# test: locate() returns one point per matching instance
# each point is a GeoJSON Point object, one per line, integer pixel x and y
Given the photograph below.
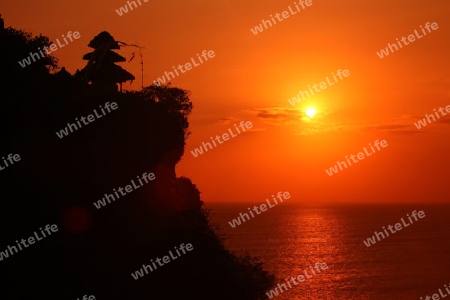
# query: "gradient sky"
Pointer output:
{"type": "Point", "coordinates": [253, 76]}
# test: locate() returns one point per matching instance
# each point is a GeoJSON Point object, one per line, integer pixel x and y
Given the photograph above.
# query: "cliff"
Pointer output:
{"type": "Point", "coordinates": [59, 177]}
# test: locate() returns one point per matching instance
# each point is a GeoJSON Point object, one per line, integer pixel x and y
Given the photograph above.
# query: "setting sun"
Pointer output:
{"type": "Point", "coordinates": [344, 186]}
{"type": "Point", "coordinates": [311, 112]}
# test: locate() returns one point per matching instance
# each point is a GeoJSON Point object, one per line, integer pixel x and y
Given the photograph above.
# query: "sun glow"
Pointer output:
{"type": "Point", "coordinates": [310, 112]}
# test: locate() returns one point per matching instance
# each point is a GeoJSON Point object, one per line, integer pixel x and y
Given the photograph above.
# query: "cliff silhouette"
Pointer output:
{"type": "Point", "coordinates": [57, 180]}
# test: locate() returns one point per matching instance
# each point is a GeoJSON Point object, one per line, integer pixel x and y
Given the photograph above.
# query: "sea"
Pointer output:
{"type": "Point", "coordinates": [288, 238]}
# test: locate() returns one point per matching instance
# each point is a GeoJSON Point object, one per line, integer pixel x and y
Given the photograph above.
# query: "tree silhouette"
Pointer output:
{"type": "Point", "coordinates": [101, 69]}
{"type": "Point", "coordinates": [57, 181]}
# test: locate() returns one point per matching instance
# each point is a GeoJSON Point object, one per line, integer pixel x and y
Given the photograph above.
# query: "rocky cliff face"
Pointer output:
{"type": "Point", "coordinates": [59, 178]}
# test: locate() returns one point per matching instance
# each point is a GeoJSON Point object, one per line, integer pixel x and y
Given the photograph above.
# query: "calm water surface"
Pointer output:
{"type": "Point", "coordinates": [409, 264]}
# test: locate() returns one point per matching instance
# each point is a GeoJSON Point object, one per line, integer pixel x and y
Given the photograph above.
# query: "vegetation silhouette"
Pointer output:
{"type": "Point", "coordinates": [57, 180]}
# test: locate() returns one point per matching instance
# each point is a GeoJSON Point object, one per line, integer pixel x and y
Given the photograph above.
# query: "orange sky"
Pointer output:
{"type": "Point", "coordinates": [252, 77]}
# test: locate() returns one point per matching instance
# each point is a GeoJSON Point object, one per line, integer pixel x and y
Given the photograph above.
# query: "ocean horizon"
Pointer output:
{"type": "Point", "coordinates": [289, 238]}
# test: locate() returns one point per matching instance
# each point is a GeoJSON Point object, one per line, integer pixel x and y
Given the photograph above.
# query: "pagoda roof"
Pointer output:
{"type": "Point", "coordinates": [111, 56]}
{"type": "Point", "coordinates": [110, 73]}
{"type": "Point", "coordinates": [103, 38]}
